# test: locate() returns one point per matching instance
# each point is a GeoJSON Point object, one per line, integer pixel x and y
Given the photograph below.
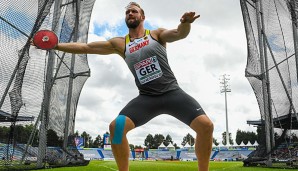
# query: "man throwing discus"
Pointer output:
{"type": "Point", "coordinates": [144, 52]}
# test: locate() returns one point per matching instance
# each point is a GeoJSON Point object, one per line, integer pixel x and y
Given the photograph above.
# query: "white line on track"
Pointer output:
{"type": "Point", "coordinates": [109, 168]}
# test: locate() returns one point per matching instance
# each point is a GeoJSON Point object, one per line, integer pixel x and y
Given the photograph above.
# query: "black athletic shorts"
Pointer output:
{"type": "Point", "coordinates": [176, 103]}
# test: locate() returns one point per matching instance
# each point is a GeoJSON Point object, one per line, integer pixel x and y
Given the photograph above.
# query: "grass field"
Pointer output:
{"type": "Point", "coordinates": [165, 166]}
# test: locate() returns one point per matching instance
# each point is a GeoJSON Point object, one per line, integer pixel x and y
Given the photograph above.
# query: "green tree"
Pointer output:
{"type": "Point", "coordinates": [138, 147]}
{"type": "Point", "coordinates": [157, 140]}
{"type": "Point", "coordinates": [132, 147]}
{"type": "Point", "coordinates": [176, 146]}
{"type": "Point", "coordinates": [4, 132]}
{"type": "Point", "coordinates": [20, 135]}
{"type": "Point", "coordinates": [245, 137]}
{"type": "Point", "coordinates": [27, 129]}
{"type": "Point", "coordinates": [252, 137]}
{"type": "Point", "coordinates": [87, 139]}
{"type": "Point", "coordinates": [188, 139]}
{"type": "Point", "coordinates": [149, 141]}
{"type": "Point", "coordinates": [239, 137]}
{"type": "Point", "coordinates": [53, 139]}
{"type": "Point", "coordinates": [224, 139]}
{"type": "Point", "coordinates": [98, 142]}
{"type": "Point", "coordinates": [168, 140]}
{"type": "Point", "coordinates": [77, 134]}
{"type": "Point", "coordinates": [215, 142]}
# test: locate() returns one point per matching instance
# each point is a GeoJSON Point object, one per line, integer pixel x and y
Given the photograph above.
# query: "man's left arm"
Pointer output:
{"type": "Point", "coordinates": [181, 31]}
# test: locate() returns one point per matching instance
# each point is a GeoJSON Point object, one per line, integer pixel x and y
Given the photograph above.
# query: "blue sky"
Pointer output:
{"type": "Point", "coordinates": [118, 30]}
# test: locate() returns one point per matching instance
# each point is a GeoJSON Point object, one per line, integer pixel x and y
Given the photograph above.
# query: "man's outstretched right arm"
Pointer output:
{"type": "Point", "coordinates": [99, 47]}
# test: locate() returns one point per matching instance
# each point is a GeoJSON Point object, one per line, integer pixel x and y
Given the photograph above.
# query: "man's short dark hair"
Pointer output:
{"type": "Point", "coordinates": [136, 4]}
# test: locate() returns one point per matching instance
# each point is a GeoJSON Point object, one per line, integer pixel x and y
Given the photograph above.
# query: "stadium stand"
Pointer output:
{"type": "Point", "coordinates": [285, 152]}
{"type": "Point", "coordinates": [187, 156]}
{"type": "Point", "coordinates": [229, 154]}
{"type": "Point", "coordinates": [16, 153]}
{"type": "Point", "coordinates": [92, 154]}
{"type": "Point", "coordinates": [108, 155]}
{"type": "Point", "coordinates": [162, 154]}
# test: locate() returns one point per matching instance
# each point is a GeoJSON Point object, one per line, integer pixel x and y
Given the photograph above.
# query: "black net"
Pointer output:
{"type": "Point", "coordinates": [39, 90]}
{"type": "Point", "coordinates": [272, 72]}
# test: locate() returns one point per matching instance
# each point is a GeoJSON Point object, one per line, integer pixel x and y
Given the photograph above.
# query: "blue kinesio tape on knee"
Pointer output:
{"type": "Point", "coordinates": [119, 129]}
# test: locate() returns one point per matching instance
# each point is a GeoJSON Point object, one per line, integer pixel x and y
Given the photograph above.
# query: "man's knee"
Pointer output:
{"type": "Point", "coordinates": [112, 128]}
{"type": "Point", "coordinates": [119, 128]}
{"type": "Point", "coordinates": [209, 126]}
{"type": "Point", "coordinates": [202, 124]}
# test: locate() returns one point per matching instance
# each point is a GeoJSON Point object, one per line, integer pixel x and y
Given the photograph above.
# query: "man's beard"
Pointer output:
{"type": "Point", "coordinates": [133, 24]}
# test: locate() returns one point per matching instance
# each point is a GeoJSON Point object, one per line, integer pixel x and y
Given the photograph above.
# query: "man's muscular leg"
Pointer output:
{"type": "Point", "coordinates": [203, 126]}
{"type": "Point", "coordinates": [121, 149]}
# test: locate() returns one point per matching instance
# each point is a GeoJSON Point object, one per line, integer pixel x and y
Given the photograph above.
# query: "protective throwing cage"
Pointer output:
{"type": "Point", "coordinates": [39, 90]}
{"type": "Point", "coordinates": [272, 62]}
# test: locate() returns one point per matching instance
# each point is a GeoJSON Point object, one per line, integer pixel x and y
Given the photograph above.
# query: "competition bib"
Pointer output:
{"type": "Point", "coordinates": [148, 70]}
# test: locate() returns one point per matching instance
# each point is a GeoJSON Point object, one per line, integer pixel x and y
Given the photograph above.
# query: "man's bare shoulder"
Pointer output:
{"type": "Point", "coordinates": [116, 39]}
{"type": "Point", "coordinates": [156, 34]}
{"type": "Point", "coordinates": [119, 44]}
{"type": "Point", "coordinates": [157, 31]}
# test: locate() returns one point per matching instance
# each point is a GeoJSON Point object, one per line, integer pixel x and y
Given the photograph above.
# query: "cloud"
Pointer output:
{"type": "Point", "coordinates": [221, 14]}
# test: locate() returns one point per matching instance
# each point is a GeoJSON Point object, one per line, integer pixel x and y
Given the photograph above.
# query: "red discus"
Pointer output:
{"type": "Point", "coordinates": [45, 39]}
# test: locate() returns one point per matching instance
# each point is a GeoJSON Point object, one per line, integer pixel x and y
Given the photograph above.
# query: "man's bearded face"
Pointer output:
{"type": "Point", "coordinates": [133, 17]}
